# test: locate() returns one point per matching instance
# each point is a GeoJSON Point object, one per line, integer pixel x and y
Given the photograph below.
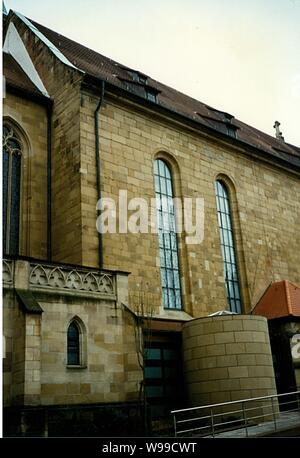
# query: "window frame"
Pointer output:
{"type": "Point", "coordinates": [228, 247]}
{"type": "Point", "coordinates": [82, 344]}
{"type": "Point", "coordinates": [151, 95]}
{"type": "Point", "coordinates": [164, 192]}
{"type": "Point", "coordinates": [20, 153]}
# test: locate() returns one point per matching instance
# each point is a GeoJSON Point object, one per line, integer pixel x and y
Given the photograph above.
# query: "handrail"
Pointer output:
{"type": "Point", "coordinates": [234, 402]}
{"type": "Point", "coordinates": [248, 414]}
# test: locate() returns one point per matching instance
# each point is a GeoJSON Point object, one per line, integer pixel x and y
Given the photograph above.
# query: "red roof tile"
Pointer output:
{"type": "Point", "coordinates": [281, 299]}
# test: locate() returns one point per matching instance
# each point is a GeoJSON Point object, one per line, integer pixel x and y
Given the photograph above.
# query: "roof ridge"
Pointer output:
{"type": "Point", "coordinates": [35, 23]}
{"type": "Point", "coordinates": [288, 296]}
{"type": "Point", "coordinates": [280, 145]}
{"type": "Point", "coordinates": [123, 66]}
{"type": "Point", "coordinates": [294, 284]}
{"type": "Point", "coordinates": [263, 294]}
{"type": "Point", "coordinates": [30, 24]}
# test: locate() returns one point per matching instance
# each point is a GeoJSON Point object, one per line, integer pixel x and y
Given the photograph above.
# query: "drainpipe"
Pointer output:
{"type": "Point", "coordinates": [49, 184]}
{"type": "Point", "coordinates": [98, 171]}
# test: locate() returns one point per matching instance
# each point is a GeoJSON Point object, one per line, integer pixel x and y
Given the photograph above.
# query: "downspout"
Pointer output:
{"type": "Point", "coordinates": [98, 171]}
{"type": "Point", "coordinates": [49, 183]}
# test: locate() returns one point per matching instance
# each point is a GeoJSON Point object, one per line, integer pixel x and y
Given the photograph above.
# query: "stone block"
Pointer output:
{"type": "Point", "coordinates": [238, 372]}
{"type": "Point", "coordinates": [224, 337]}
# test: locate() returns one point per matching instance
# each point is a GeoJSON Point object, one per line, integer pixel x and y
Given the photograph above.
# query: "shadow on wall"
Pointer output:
{"type": "Point", "coordinates": [113, 420]}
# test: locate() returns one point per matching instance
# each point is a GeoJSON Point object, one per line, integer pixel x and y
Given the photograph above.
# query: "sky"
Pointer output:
{"type": "Point", "coordinates": [239, 56]}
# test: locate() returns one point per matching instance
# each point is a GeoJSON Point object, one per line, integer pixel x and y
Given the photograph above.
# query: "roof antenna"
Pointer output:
{"type": "Point", "coordinates": [4, 8]}
{"type": "Point", "coordinates": [278, 134]}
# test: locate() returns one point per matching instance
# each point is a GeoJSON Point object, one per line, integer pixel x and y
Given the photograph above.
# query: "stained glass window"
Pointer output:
{"type": "Point", "coordinates": [12, 153]}
{"type": "Point", "coordinates": [228, 248]}
{"type": "Point", "coordinates": [168, 246]}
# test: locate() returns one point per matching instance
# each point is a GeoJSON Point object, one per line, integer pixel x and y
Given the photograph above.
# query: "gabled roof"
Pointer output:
{"type": "Point", "coordinates": [281, 299]}
{"type": "Point", "coordinates": [98, 66]}
{"type": "Point", "coordinates": [16, 77]}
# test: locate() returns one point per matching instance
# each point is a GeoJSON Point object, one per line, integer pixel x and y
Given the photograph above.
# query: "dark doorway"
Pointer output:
{"type": "Point", "coordinates": [163, 373]}
{"type": "Point", "coordinates": [283, 364]}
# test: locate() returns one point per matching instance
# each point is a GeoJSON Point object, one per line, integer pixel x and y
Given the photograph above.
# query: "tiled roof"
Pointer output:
{"type": "Point", "coordinates": [16, 77]}
{"type": "Point", "coordinates": [99, 66]}
{"type": "Point", "coordinates": [281, 299]}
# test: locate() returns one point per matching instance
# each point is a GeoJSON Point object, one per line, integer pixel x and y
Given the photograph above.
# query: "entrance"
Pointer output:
{"type": "Point", "coordinates": [163, 373]}
{"type": "Point", "coordinates": [283, 366]}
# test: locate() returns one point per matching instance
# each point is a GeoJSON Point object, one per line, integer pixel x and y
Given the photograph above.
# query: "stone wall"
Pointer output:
{"type": "Point", "coordinates": [31, 121]}
{"type": "Point", "coordinates": [264, 200]}
{"type": "Point", "coordinates": [63, 86]}
{"type": "Point", "coordinates": [36, 368]}
{"type": "Point", "coordinates": [227, 358]}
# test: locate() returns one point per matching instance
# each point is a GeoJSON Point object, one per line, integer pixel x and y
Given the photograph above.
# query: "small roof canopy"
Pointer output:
{"type": "Point", "coordinates": [223, 312]}
{"type": "Point", "coordinates": [281, 299]}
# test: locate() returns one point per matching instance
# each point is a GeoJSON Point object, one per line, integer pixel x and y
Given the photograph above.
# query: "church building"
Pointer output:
{"type": "Point", "coordinates": [103, 328]}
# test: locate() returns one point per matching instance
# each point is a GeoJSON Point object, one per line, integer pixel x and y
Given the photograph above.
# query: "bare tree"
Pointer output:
{"type": "Point", "coordinates": [142, 308]}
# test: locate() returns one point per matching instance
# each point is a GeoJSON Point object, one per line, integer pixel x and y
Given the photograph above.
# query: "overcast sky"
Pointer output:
{"type": "Point", "coordinates": [240, 56]}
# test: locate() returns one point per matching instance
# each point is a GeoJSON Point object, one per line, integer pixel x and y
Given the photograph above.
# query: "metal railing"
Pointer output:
{"type": "Point", "coordinates": [210, 420]}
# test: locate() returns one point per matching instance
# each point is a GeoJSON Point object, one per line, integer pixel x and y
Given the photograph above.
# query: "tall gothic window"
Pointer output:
{"type": "Point", "coordinates": [228, 247]}
{"type": "Point", "coordinates": [12, 154]}
{"type": "Point", "coordinates": [168, 246]}
{"type": "Point", "coordinates": [73, 344]}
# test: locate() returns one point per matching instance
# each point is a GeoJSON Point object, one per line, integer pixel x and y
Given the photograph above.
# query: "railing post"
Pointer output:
{"type": "Point", "coordinates": [46, 428]}
{"type": "Point", "coordinates": [212, 422]}
{"type": "Point", "coordinates": [274, 416]}
{"type": "Point", "coordinates": [209, 409]}
{"type": "Point", "coordinates": [175, 426]}
{"type": "Point", "coordinates": [245, 418]}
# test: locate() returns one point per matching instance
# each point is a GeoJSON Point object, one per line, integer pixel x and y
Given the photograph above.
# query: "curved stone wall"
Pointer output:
{"type": "Point", "coordinates": [227, 358]}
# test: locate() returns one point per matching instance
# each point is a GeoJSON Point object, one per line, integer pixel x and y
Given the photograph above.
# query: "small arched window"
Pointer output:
{"type": "Point", "coordinates": [228, 247]}
{"type": "Point", "coordinates": [73, 344]}
{"type": "Point", "coordinates": [12, 154]}
{"type": "Point", "coordinates": [168, 246]}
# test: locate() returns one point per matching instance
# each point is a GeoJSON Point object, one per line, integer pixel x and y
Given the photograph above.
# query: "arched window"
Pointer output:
{"type": "Point", "coordinates": [228, 247]}
{"type": "Point", "coordinates": [73, 344]}
{"type": "Point", "coordinates": [168, 246]}
{"type": "Point", "coordinates": [12, 154]}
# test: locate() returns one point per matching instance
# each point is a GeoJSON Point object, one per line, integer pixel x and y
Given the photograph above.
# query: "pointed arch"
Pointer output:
{"type": "Point", "coordinates": [12, 157]}
{"type": "Point", "coordinates": [76, 343]}
{"type": "Point", "coordinates": [73, 344]}
{"type": "Point", "coordinates": [16, 174]}
{"type": "Point", "coordinates": [21, 132]}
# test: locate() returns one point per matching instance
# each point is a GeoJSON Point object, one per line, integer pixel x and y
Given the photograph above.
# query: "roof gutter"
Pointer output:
{"type": "Point", "coordinates": [28, 95]}
{"type": "Point", "coordinates": [98, 166]}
